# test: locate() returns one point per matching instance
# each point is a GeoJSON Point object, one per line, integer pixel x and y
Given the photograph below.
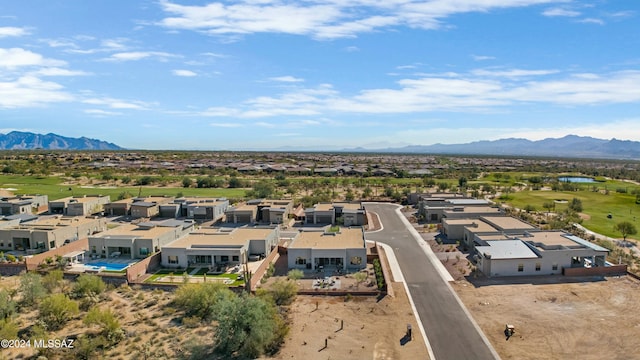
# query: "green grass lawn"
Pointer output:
{"type": "Point", "coordinates": [200, 274]}
{"type": "Point", "coordinates": [597, 205]}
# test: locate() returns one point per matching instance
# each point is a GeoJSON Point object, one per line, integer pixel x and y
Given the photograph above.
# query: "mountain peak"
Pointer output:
{"type": "Point", "coordinates": [20, 140]}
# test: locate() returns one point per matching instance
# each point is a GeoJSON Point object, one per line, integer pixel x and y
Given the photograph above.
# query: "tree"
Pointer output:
{"type": "Point", "coordinates": [575, 205]}
{"type": "Point", "coordinates": [295, 274]}
{"type": "Point", "coordinates": [625, 228]}
{"type": "Point", "coordinates": [52, 280]}
{"type": "Point", "coordinates": [31, 289]}
{"type": "Point", "coordinates": [7, 306]}
{"type": "Point", "coordinates": [360, 276]}
{"type": "Point", "coordinates": [111, 329]}
{"type": "Point", "coordinates": [462, 182]}
{"type": "Point", "coordinates": [262, 189]}
{"type": "Point", "coordinates": [281, 292]}
{"type": "Point", "coordinates": [8, 329]}
{"type": "Point", "coordinates": [201, 299]}
{"type": "Point", "coordinates": [56, 310]}
{"type": "Point", "coordinates": [87, 284]}
{"type": "Point", "coordinates": [549, 205]}
{"type": "Point", "coordinates": [186, 182]}
{"type": "Point", "coordinates": [248, 327]}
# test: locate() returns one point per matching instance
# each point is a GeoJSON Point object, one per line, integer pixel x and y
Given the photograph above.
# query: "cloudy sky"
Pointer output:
{"type": "Point", "coordinates": [319, 74]}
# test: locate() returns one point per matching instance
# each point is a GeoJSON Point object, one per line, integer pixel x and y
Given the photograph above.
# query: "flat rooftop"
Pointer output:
{"type": "Point", "coordinates": [55, 221]}
{"type": "Point", "coordinates": [208, 238]}
{"type": "Point", "coordinates": [132, 230]}
{"type": "Point", "coordinates": [494, 237]}
{"type": "Point", "coordinates": [473, 209]}
{"type": "Point", "coordinates": [349, 206]}
{"type": "Point", "coordinates": [507, 249]}
{"type": "Point", "coordinates": [468, 201]}
{"type": "Point", "coordinates": [557, 240]}
{"type": "Point", "coordinates": [507, 223]}
{"type": "Point", "coordinates": [347, 238]}
{"type": "Point", "coordinates": [246, 207]}
{"type": "Point", "coordinates": [323, 207]}
{"type": "Point", "coordinates": [479, 226]}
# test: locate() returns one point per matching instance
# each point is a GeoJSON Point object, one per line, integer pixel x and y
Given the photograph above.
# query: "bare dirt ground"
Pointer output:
{"type": "Point", "coordinates": [372, 329]}
{"type": "Point", "coordinates": [557, 317]}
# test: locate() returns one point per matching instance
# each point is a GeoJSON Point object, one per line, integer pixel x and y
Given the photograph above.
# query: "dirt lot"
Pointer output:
{"type": "Point", "coordinates": [372, 329]}
{"type": "Point", "coordinates": [592, 318]}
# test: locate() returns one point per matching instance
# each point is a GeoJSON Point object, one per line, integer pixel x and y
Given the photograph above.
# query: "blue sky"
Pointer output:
{"type": "Point", "coordinates": [319, 74]}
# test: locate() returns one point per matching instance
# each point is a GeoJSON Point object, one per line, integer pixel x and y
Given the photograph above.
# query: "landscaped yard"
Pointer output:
{"type": "Point", "coordinates": [175, 276]}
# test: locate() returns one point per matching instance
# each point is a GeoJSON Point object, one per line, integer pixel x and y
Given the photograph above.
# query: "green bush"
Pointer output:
{"type": "Point", "coordinates": [88, 284]}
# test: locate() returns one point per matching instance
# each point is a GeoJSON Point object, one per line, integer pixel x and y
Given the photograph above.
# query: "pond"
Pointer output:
{"type": "Point", "coordinates": [576, 179]}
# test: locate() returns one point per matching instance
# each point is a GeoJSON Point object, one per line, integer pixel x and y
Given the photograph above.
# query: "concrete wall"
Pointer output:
{"type": "Point", "coordinates": [262, 269]}
{"type": "Point", "coordinates": [137, 271]}
{"type": "Point", "coordinates": [600, 270]}
{"type": "Point", "coordinates": [12, 269]}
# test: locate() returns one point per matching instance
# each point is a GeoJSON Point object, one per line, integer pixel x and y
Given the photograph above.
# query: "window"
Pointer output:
{"type": "Point", "coordinates": [554, 267]}
{"type": "Point", "coordinates": [538, 266]}
{"type": "Point", "coordinates": [52, 244]}
{"type": "Point", "coordinates": [93, 249]}
{"type": "Point", "coordinates": [301, 261]}
{"type": "Point", "coordinates": [172, 259]}
{"type": "Point", "coordinates": [356, 260]}
{"type": "Point", "coordinates": [144, 251]}
{"type": "Point", "coordinates": [224, 258]}
{"type": "Point", "coordinates": [520, 267]}
{"type": "Point", "coordinates": [235, 258]}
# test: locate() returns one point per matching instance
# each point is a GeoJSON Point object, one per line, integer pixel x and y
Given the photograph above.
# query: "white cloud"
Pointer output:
{"type": "Point", "coordinates": [561, 12]}
{"type": "Point", "coordinates": [226, 125]}
{"type": "Point", "coordinates": [184, 73]}
{"type": "Point", "coordinates": [591, 21]}
{"type": "Point", "coordinates": [117, 103]}
{"type": "Point", "coordinates": [482, 57]}
{"type": "Point", "coordinates": [288, 79]}
{"type": "Point", "coordinates": [30, 91]}
{"type": "Point", "coordinates": [54, 71]}
{"type": "Point", "coordinates": [101, 113]}
{"type": "Point", "coordinates": [472, 92]}
{"type": "Point", "coordinates": [322, 19]}
{"type": "Point", "coordinates": [512, 72]}
{"type": "Point", "coordinates": [18, 57]}
{"type": "Point", "coordinates": [7, 31]}
{"type": "Point", "coordinates": [139, 55]}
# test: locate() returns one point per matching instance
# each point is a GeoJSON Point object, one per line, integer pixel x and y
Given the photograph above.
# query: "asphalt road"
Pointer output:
{"type": "Point", "coordinates": [451, 333]}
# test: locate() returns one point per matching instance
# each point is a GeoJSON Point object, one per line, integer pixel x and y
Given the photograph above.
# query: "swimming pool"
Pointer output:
{"type": "Point", "coordinates": [107, 266]}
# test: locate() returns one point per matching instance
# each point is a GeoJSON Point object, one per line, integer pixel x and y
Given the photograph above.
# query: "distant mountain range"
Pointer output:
{"type": "Point", "coordinates": [570, 146]}
{"type": "Point", "coordinates": [17, 140]}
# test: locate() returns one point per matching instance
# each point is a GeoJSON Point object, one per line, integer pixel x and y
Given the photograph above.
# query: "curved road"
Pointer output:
{"type": "Point", "coordinates": [449, 329]}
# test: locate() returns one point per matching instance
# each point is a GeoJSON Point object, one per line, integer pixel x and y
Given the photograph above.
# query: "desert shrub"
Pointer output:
{"type": "Point", "coordinates": [88, 284]}
{"type": "Point", "coordinates": [56, 310]}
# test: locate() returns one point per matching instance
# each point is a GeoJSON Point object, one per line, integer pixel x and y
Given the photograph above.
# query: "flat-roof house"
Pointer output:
{"type": "Point", "coordinates": [119, 207]}
{"type": "Point", "coordinates": [344, 249]}
{"type": "Point", "coordinates": [204, 209]}
{"type": "Point", "coordinates": [149, 206]}
{"type": "Point", "coordinates": [137, 241]}
{"type": "Point", "coordinates": [49, 232]}
{"type": "Point", "coordinates": [538, 253]}
{"type": "Point", "coordinates": [79, 205]}
{"type": "Point", "coordinates": [209, 247]}
{"type": "Point", "coordinates": [24, 204]}
{"type": "Point", "coordinates": [434, 209]}
{"type": "Point", "coordinates": [266, 211]}
{"type": "Point", "coordinates": [349, 213]}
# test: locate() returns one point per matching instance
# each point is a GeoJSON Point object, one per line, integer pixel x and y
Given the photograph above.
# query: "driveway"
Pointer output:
{"type": "Point", "coordinates": [451, 332]}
